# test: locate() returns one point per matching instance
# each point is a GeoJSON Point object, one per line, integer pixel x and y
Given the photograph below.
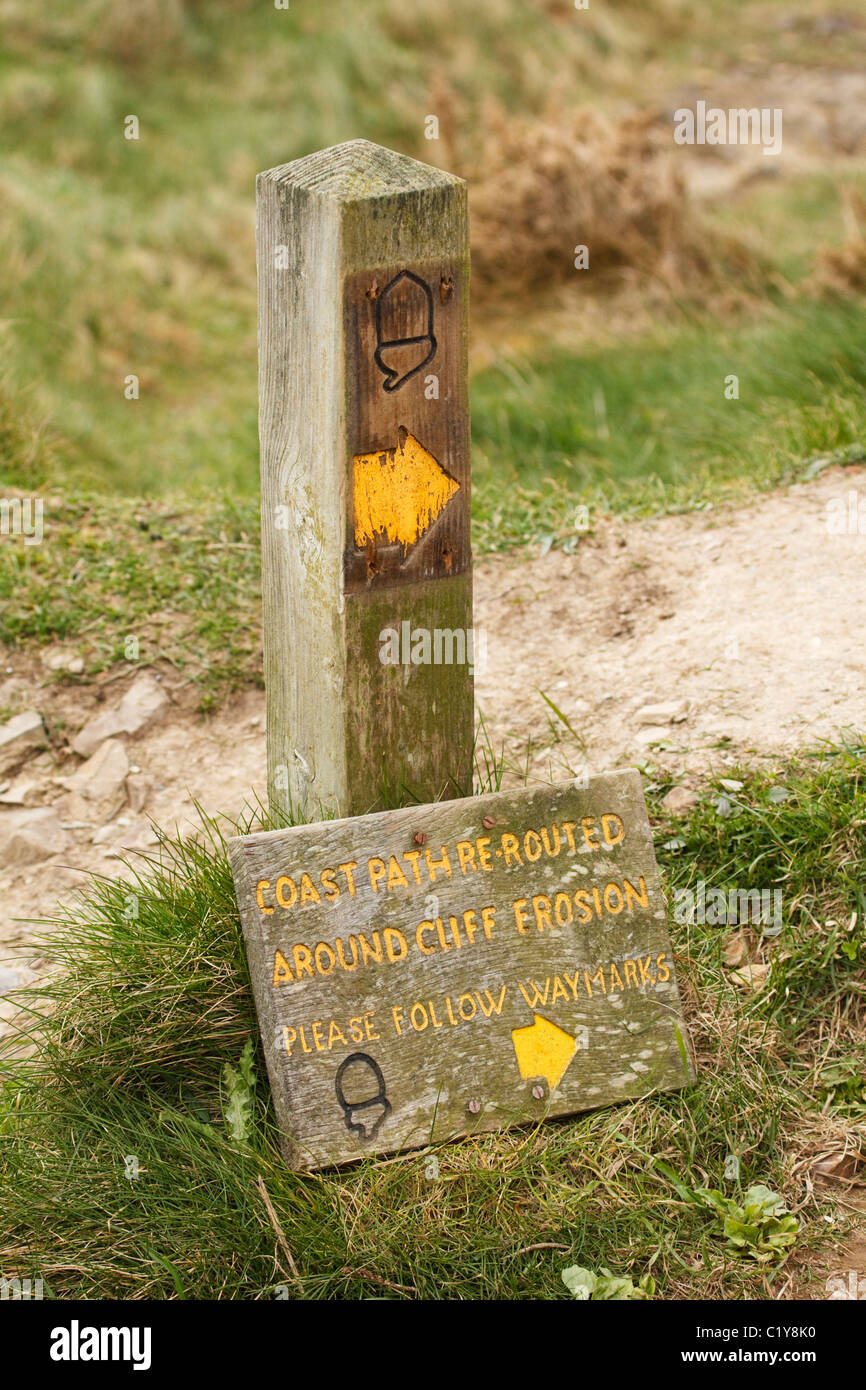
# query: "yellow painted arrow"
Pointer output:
{"type": "Point", "coordinates": [398, 492]}
{"type": "Point", "coordinates": [543, 1050]}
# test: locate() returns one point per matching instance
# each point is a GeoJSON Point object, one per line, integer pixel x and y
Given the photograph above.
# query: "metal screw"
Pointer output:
{"type": "Point", "coordinates": [488, 822]}
{"type": "Point", "coordinates": [474, 1107]}
{"type": "Point", "coordinates": [538, 1092]}
{"type": "Point", "coordinates": [420, 838]}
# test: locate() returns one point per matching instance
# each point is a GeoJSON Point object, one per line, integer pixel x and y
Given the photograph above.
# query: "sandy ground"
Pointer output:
{"type": "Point", "coordinates": [747, 621]}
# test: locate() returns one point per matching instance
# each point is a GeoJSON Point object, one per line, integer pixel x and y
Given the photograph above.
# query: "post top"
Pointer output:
{"type": "Point", "coordinates": [358, 169]}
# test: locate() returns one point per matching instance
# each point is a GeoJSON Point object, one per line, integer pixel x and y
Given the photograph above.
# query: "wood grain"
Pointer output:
{"type": "Point", "coordinates": [344, 731]}
{"type": "Point", "coordinates": [458, 1008]}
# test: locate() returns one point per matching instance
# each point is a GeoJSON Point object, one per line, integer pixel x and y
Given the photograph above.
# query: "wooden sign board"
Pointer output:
{"type": "Point", "coordinates": [439, 970]}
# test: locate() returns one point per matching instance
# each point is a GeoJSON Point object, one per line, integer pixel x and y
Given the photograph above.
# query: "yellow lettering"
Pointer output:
{"type": "Point", "coordinates": [377, 871]}
{"type": "Point", "coordinates": [520, 915]}
{"type": "Point", "coordinates": [282, 973]}
{"type": "Point", "coordinates": [485, 859]}
{"type": "Point", "coordinates": [395, 944]}
{"type": "Point", "coordinates": [279, 891]}
{"type": "Point", "coordinates": [421, 928]}
{"type": "Point", "coordinates": [541, 908]}
{"type": "Point", "coordinates": [261, 887]}
{"type": "Point", "coordinates": [581, 902]}
{"type": "Point", "coordinates": [347, 870]}
{"type": "Point", "coordinates": [535, 838]}
{"type": "Point", "coordinates": [309, 891]}
{"type": "Point", "coordinates": [618, 828]}
{"type": "Point", "coordinates": [329, 881]}
{"type": "Point", "coordinates": [303, 961]}
{"type": "Point", "coordinates": [551, 853]}
{"type": "Point", "coordinates": [511, 850]}
{"type": "Point", "coordinates": [587, 826]}
{"type": "Point", "coordinates": [369, 952]}
{"type": "Point", "coordinates": [396, 876]}
{"type": "Point", "coordinates": [466, 855]}
{"type": "Point", "coordinates": [324, 957]}
{"type": "Point", "coordinates": [636, 895]}
{"type": "Point", "coordinates": [434, 864]}
{"type": "Point", "coordinates": [613, 898]}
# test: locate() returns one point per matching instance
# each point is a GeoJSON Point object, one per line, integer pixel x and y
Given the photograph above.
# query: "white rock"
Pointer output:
{"type": "Point", "coordinates": [101, 779]}
{"type": "Point", "coordinates": [22, 792]}
{"type": "Point", "coordinates": [138, 789]}
{"type": "Point", "coordinates": [19, 737]}
{"type": "Point", "coordinates": [680, 800]}
{"type": "Point", "coordinates": [143, 702]}
{"type": "Point", "coordinates": [653, 733]}
{"type": "Point", "coordinates": [28, 837]}
{"type": "Point", "coordinates": [56, 659]}
{"type": "Point", "coordinates": [670, 712]}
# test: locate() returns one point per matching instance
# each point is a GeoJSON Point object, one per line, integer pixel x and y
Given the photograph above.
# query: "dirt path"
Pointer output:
{"type": "Point", "coordinates": [747, 624]}
{"type": "Point", "coordinates": [749, 620]}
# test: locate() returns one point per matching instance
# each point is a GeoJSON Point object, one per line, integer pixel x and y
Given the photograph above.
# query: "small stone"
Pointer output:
{"type": "Point", "coordinates": [56, 659]}
{"type": "Point", "coordinates": [143, 702]}
{"type": "Point", "coordinates": [100, 781]}
{"type": "Point", "coordinates": [670, 712]}
{"type": "Point", "coordinates": [27, 837]}
{"type": "Point", "coordinates": [19, 737]}
{"type": "Point", "coordinates": [679, 801]}
{"type": "Point", "coordinates": [24, 791]}
{"type": "Point", "coordinates": [138, 789]}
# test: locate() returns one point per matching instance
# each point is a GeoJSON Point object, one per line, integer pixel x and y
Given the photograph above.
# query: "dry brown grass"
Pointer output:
{"type": "Point", "coordinates": [543, 186]}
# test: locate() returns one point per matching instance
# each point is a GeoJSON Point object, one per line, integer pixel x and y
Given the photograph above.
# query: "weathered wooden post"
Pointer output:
{"type": "Point", "coordinates": [455, 966]}
{"type": "Point", "coordinates": [363, 267]}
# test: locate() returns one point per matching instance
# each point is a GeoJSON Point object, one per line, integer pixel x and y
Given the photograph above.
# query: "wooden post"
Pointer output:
{"type": "Point", "coordinates": [363, 266]}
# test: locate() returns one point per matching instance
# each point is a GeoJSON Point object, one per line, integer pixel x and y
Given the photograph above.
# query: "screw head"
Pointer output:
{"type": "Point", "coordinates": [420, 838]}
{"type": "Point", "coordinates": [474, 1107]}
{"type": "Point", "coordinates": [538, 1092]}
{"type": "Point", "coordinates": [488, 822]}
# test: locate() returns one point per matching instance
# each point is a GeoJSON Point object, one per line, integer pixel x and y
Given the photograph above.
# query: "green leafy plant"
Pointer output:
{"type": "Point", "coordinates": [586, 1284]}
{"type": "Point", "coordinates": [761, 1228]}
{"type": "Point", "coordinates": [240, 1085]}
{"type": "Point", "coordinates": [843, 1086]}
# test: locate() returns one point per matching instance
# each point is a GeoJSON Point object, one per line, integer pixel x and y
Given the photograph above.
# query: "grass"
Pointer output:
{"type": "Point", "coordinates": [122, 257]}
{"type": "Point", "coordinates": [184, 582]}
{"type": "Point", "coordinates": [639, 429]}
{"type": "Point", "coordinates": [133, 1034]}
{"type": "Point", "coordinates": [647, 427]}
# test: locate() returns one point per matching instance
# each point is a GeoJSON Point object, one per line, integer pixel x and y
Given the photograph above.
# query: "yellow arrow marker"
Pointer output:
{"type": "Point", "coordinates": [543, 1050]}
{"type": "Point", "coordinates": [398, 492]}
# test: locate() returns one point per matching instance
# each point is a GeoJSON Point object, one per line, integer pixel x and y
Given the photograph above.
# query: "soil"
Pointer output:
{"type": "Point", "coordinates": [747, 621]}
